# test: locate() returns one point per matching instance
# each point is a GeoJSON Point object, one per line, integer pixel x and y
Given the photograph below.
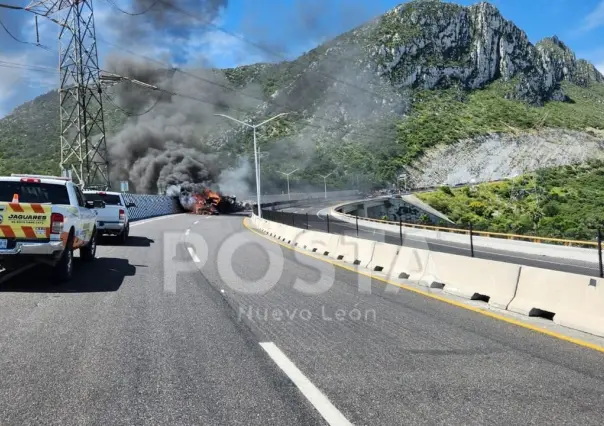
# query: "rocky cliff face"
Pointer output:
{"type": "Point", "coordinates": [429, 44]}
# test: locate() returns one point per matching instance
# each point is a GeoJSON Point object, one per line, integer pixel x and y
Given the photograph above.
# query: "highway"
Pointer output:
{"type": "Point", "coordinates": [126, 344]}
{"type": "Point", "coordinates": [318, 210]}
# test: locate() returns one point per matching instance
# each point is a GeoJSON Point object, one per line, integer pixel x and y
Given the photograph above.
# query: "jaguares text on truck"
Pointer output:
{"type": "Point", "coordinates": [43, 219]}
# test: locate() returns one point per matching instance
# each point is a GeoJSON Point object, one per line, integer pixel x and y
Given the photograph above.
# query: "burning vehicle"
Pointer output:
{"type": "Point", "coordinates": [204, 201]}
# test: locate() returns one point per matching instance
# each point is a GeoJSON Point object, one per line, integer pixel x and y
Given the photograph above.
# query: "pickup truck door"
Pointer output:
{"type": "Point", "coordinates": [87, 218]}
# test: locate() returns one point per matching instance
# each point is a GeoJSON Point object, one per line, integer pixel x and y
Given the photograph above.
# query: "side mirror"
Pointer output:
{"type": "Point", "coordinates": [129, 205]}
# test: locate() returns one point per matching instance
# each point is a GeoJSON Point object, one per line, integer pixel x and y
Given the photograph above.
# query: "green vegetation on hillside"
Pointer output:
{"type": "Point", "coordinates": [559, 202]}
{"type": "Point", "coordinates": [446, 116]}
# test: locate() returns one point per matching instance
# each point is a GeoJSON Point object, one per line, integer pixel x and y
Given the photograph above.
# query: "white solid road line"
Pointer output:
{"type": "Point", "coordinates": [193, 255]}
{"type": "Point", "coordinates": [330, 413]}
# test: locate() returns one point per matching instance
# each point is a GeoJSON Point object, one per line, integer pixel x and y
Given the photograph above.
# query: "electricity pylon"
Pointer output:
{"type": "Point", "coordinates": [84, 153]}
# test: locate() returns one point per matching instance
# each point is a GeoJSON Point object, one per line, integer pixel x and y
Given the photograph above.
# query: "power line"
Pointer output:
{"type": "Point", "coordinates": [21, 41]}
{"type": "Point", "coordinates": [28, 67]}
{"type": "Point", "coordinates": [112, 3]}
{"type": "Point", "coordinates": [194, 98]}
{"type": "Point", "coordinates": [224, 86]}
{"type": "Point", "coordinates": [128, 113]}
{"type": "Point", "coordinates": [172, 93]}
{"type": "Point", "coordinates": [258, 45]}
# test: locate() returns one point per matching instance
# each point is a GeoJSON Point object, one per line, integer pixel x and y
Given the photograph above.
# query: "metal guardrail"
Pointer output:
{"type": "Point", "coordinates": [334, 225]}
{"type": "Point", "coordinates": [501, 235]}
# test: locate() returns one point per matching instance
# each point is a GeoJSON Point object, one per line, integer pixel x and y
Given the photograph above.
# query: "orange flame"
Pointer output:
{"type": "Point", "coordinates": [206, 202]}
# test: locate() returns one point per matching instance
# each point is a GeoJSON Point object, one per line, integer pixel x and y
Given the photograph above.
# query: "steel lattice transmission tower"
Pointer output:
{"type": "Point", "coordinates": [83, 144]}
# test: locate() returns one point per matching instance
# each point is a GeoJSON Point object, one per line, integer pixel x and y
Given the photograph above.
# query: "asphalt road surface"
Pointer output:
{"type": "Point", "coordinates": [315, 212]}
{"type": "Point", "coordinates": [125, 344]}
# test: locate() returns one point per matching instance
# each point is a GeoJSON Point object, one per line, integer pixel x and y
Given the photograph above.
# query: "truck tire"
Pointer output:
{"type": "Point", "coordinates": [88, 252]}
{"type": "Point", "coordinates": [123, 237]}
{"type": "Point", "coordinates": [63, 270]}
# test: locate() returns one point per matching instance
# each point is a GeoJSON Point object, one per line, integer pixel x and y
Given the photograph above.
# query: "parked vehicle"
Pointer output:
{"type": "Point", "coordinates": [112, 219]}
{"type": "Point", "coordinates": [43, 219]}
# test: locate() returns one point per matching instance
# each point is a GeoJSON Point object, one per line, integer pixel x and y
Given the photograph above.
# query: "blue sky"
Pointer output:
{"type": "Point", "coordinates": [285, 27]}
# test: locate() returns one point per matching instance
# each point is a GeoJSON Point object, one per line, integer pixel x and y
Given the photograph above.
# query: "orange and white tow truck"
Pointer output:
{"type": "Point", "coordinates": [43, 219]}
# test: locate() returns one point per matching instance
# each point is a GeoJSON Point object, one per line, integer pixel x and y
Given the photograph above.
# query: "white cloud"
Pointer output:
{"type": "Point", "coordinates": [595, 56]}
{"type": "Point", "coordinates": [595, 19]}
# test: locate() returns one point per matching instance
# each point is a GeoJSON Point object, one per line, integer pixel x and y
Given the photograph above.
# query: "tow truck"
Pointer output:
{"type": "Point", "coordinates": [43, 219]}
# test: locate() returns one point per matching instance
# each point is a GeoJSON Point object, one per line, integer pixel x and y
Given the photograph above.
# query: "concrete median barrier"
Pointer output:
{"type": "Point", "coordinates": [384, 258]}
{"type": "Point", "coordinates": [306, 239]}
{"type": "Point", "coordinates": [331, 245]}
{"type": "Point", "coordinates": [475, 279]}
{"type": "Point", "coordinates": [574, 301]}
{"type": "Point", "coordinates": [290, 234]}
{"type": "Point", "coordinates": [416, 265]}
{"type": "Point", "coordinates": [354, 250]}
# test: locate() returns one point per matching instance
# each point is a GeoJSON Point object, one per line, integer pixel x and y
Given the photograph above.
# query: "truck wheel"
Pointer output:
{"type": "Point", "coordinates": [88, 252]}
{"type": "Point", "coordinates": [63, 270]}
{"type": "Point", "coordinates": [123, 237]}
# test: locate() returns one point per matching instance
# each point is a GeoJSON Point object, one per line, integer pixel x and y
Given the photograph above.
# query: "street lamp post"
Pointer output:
{"type": "Point", "coordinates": [254, 127]}
{"type": "Point", "coordinates": [261, 155]}
{"type": "Point", "coordinates": [287, 175]}
{"type": "Point", "coordinates": [325, 182]}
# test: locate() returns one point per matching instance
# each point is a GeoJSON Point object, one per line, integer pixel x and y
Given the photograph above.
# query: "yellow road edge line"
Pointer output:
{"type": "Point", "coordinates": [437, 297]}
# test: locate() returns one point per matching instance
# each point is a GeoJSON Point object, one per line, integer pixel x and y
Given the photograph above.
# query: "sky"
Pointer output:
{"type": "Point", "coordinates": [246, 31]}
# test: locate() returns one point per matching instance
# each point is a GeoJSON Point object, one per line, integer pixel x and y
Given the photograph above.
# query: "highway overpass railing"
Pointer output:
{"type": "Point", "coordinates": [333, 224]}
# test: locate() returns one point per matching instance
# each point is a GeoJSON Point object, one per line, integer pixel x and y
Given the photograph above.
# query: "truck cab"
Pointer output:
{"type": "Point", "coordinates": [112, 217]}
{"type": "Point", "coordinates": [43, 219]}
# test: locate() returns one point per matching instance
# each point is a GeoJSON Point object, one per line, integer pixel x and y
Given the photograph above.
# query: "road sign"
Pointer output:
{"type": "Point", "coordinates": [124, 186]}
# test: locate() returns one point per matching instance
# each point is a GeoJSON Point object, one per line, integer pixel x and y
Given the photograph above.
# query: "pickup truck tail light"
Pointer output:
{"type": "Point", "coordinates": [56, 223]}
{"type": "Point", "coordinates": [122, 215]}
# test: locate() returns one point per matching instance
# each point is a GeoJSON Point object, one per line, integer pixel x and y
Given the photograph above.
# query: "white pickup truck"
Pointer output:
{"type": "Point", "coordinates": [43, 219]}
{"type": "Point", "coordinates": [112, 219]}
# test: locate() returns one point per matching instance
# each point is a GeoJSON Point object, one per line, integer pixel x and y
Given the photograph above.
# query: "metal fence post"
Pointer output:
{"type": "Point", "coordinates": [471, 240]}
{"type": "Point", "coordinates": [328, 224]}
{"type": "Point", "coordinates": [400, 229]}
{"type": "Point", "coordinates": [357, 219]}
{"type": "Point", "coordinates": [600, 252]}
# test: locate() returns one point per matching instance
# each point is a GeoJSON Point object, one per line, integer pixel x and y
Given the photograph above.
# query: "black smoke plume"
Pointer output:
{"type": "Point", "coordinates": [161, 19]}
{"type": "Point", "coordinates": [171, 139]}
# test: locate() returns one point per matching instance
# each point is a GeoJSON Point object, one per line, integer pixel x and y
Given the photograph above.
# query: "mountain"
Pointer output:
{"type": "Point", "coordinates": [444, 92]}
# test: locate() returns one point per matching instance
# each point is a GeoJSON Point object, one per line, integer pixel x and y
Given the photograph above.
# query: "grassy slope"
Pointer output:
{"type": "Point", "coordinates": [564, 202]}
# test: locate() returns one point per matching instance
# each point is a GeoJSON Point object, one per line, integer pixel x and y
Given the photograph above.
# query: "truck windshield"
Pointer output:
{"type": "Point", "coordinates": [109, 199]}
{"type": "Point", "coordinates": [29, 192]}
